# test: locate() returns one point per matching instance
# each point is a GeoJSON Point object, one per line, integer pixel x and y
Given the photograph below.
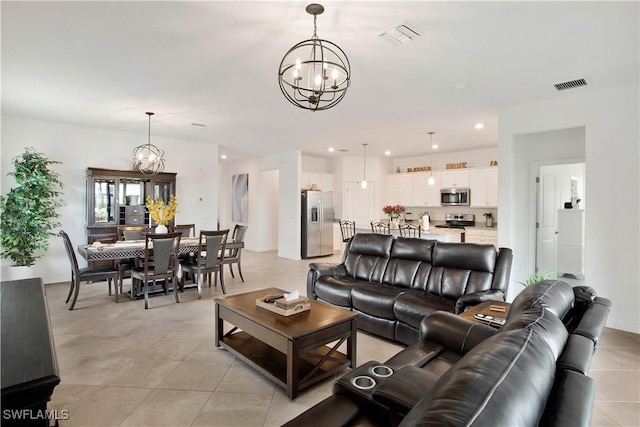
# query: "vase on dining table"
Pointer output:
{"type": "Point", "coordinates": [161, 229]}
{"type": "Point", "coordinates": [394, 222]}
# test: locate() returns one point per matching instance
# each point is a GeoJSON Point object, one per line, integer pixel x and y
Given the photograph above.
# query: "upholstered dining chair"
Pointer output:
{"type": "Point", "coordinates": [86, 274]}
{"type": "Point", "coordinates": [233, 256]}
{"type": "Point", "coordinates": [129, 232]}
{"type": "Point", "coordinates": [209, 259]}
{"type": "Point", "coordinates": [187, 230]}
{"type": "Point", "coordinates": [410, 230]}
{"type": "Point", "coordinates": [160, 264]}
{"type": "Point", "coordinates": [348, 229]}
{"type": "Point", "coordinates": [380, 227]}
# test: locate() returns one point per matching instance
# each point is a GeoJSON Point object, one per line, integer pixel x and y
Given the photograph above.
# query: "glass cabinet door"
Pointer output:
{"type": "Point", "coordinates": [104, 200]}
{"type": "Point", "coordinates": [163, 190]}
{"type": "Point", "coordinates": [131, 192]}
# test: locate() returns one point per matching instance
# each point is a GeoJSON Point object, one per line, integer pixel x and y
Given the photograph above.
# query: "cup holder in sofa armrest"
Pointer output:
{"type": "Point", "coordinates": [363, 382]}
{"type": "Point", "coordinates": [381, 371]}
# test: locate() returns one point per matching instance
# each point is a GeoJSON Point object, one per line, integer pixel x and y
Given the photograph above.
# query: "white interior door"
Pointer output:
{"type": "Point", "coordinates": [360, 203]}
{"type": "Point", "coordinates": [547, 229]}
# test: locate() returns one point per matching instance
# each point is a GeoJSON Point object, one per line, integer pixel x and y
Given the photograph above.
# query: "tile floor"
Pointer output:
{"type": "Point", "coordinates": [123, 365]}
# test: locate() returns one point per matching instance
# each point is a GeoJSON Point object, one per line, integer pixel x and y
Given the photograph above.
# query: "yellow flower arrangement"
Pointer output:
{"type": "Point", "coordinates": [160, 212]}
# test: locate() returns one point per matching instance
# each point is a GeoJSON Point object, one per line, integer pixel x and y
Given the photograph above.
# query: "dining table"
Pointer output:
{"type": "Point", "coordinates": [127, 249]}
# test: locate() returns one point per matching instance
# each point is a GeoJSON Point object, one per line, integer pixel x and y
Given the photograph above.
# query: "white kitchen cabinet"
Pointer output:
{"type": "Point", "coordinates": [423, 194]}
{"type": "Point", "coordinates": [400, 189]}
{"type": "Point", "coordinates": [571, 236]}
{"type": "Point", "coordinates": [323, 181]}
{"type": "Point", "coordinates": [481, 235]}
{"type": "Point", "coordinates": [455, 179]}
{"type": "Point", "coordinates": [483, 184]}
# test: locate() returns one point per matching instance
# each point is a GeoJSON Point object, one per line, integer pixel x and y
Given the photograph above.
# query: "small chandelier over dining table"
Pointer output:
{"type": "Point", "coordinates": [147, 158]}
{"type": "Point", "coordinates": [314, 74]}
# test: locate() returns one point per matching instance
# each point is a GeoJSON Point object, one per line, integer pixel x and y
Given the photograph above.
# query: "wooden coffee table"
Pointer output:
{"type": "Point", "coordinates": [293, 351]}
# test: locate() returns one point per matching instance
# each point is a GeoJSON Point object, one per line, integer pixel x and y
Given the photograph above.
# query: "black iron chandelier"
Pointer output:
{"type": "Point", "coordinates": [314, 74]}
{"type": "Point", "coordinates": [147, 158]}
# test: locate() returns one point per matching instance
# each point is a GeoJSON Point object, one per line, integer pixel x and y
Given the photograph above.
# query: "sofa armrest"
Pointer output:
{"type": "Point", "coordinates": [571, 400]}
{"type": "Point", "coordinates": [476, 298]}
{"type": "Point", "coordinates": [454, 332]}
{"type": "Point", "coordinates": [577, 354]}
{"type": "Point", "coordinates": [594, 319]}
{"type": "Point", "coordinates": [402, 390]}
{"type": "Point", "coordinates": [320, 269]}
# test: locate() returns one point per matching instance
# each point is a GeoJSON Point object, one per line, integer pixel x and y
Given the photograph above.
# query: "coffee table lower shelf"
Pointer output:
{"type": "Point", "coordinates": [273, 363]}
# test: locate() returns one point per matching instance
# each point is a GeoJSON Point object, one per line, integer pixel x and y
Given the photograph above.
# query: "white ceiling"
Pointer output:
{"type": "Point", "coordinates": [103, 64]}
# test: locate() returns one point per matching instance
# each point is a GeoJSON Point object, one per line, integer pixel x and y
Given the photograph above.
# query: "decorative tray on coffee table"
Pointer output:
{"type": "Point", "coordinates": [277, 304]}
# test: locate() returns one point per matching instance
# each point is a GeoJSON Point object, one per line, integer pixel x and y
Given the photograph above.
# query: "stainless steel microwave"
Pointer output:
{"type": "Point", "coordinates": [454, 197]}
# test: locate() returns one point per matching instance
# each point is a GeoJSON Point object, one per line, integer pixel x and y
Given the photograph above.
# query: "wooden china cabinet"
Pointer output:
{"type": "Point", "coordinates": [116, 197]}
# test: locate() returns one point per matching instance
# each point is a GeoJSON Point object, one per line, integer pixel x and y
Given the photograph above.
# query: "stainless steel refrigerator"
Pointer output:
{"type": "Point", "coordinates": [317, 223]}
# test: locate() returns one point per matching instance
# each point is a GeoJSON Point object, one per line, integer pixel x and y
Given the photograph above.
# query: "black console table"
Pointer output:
{"type": "Point", "coordinates": [29, 366]}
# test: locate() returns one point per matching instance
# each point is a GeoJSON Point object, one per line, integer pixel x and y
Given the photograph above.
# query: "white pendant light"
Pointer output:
{"type": "Point", "coordinates": [363, 184]}
{"type": "Point", "coordinates": [431, 180]}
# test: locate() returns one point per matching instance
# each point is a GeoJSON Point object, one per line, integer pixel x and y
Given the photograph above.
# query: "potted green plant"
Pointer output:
{"type": "Point", "coordinates": [29, 210]}
{"type": "Point", "coordinates": [536, 277]}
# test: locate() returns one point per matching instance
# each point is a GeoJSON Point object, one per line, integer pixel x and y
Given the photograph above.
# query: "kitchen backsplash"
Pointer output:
{"type": "Point", "coordinates": [437, 214]}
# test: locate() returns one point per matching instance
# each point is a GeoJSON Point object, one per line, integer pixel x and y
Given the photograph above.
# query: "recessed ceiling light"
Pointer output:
{"type": "Point", "coordinates": [479, 125]}
{"type": "Point", "coordinates": [387, 153]}
{"type": "Point", "coordinates": [435, 146]}
{"type": "Point", "coordinates": [331, 149]}
{"type": "Point", "coordinates": [224, 156]}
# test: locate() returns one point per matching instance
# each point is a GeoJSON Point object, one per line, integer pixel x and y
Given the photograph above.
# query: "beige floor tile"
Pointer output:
{"type": "Point", "coordinates": [208, 352]}
{"type": "Point", "coordinates": [191, 375]}
{"type": "Point", "coordinates": [88, 370]}
{"type": "Point", "coordinates": [175, 349]}
{"type": "Point", "coordinates": [173, 408]}
{"type": "Point", "coordinates": [617, 386]}
{"type": "Point", "coordinates": [600, 419]}
{"type": "Point", "coordinates": [241, 378]}
{"type": "Point", "coordinates": [282, 409]}
{"type": "Point", "coordinates": [143, 373]}
{"type": "Point", "coordinates": [234, 409]}
{"type": "Point", "coordinates": [104, 406]}
{"type": "Point", "coordinates": [616, 358]}
{"type": "Point", "coordinates": [623, 413]}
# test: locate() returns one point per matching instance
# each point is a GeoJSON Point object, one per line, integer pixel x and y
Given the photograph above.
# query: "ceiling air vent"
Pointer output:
{"type": "Point", "coordinates": [400, 34]}
{"type": "Point", "coordinates": [571, 84]}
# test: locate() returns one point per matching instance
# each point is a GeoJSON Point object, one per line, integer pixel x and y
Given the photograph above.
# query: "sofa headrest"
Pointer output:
{"type": "Point", "coordinates": [413, 249]}
{"type": "Point", "coordinates": [555, 295]}
{"type": "Point", "coordinates": [465, 256]}
{"type": "Point", "coordinates": [503, 381]}
{"type": "Point", "coordinates": [544, 323]}
{"type": "Point", "coordinates": [371, 244]}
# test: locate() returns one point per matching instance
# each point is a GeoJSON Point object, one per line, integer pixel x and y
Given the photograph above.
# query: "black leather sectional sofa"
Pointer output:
{"type": "Point", "coordinates": [531, 372]}
{"type": "Point", "coordinates": [393, 283]}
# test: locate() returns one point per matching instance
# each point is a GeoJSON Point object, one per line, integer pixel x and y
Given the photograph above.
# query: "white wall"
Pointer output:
{"type": "Point", "coordinates": [81, 147]}
{"type": "Point", "coordinates": [612, 157]}
{"type": "Point", "coordinates": [288, 193]}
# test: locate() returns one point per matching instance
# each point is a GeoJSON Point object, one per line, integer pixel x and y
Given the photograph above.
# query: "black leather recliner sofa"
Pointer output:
{"type": "Point", "coordinates": [393, 283]}
{"type": "Point", "coordinates": [531, 372]}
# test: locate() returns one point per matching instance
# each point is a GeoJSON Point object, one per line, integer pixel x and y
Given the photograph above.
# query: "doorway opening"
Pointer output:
{"type": "Point", "coordinates": [560, 220]}
{"type": "Point", "coordinates": [267, 217]}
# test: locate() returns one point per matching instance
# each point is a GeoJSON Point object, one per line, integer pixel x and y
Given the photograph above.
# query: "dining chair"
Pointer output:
{"type": "Point", "coordinates": [86, 274]}
{"type": "Point", "coordinates": [129, 232]}
{"type": "Point", "coordinates": [160, 264]}
{"type": "Point", "coordinates": [187, 230]}
{"type": "Point", "coordinates": [380, 227]}
{"type": "Point", "coordinates": [348, 229]}
{"type": "Point", "coordinates": [234, 255]}
{"type": "Point", "coordinates": [409, 230]}
{"type": "Point", "coordinates": [209, 259]}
